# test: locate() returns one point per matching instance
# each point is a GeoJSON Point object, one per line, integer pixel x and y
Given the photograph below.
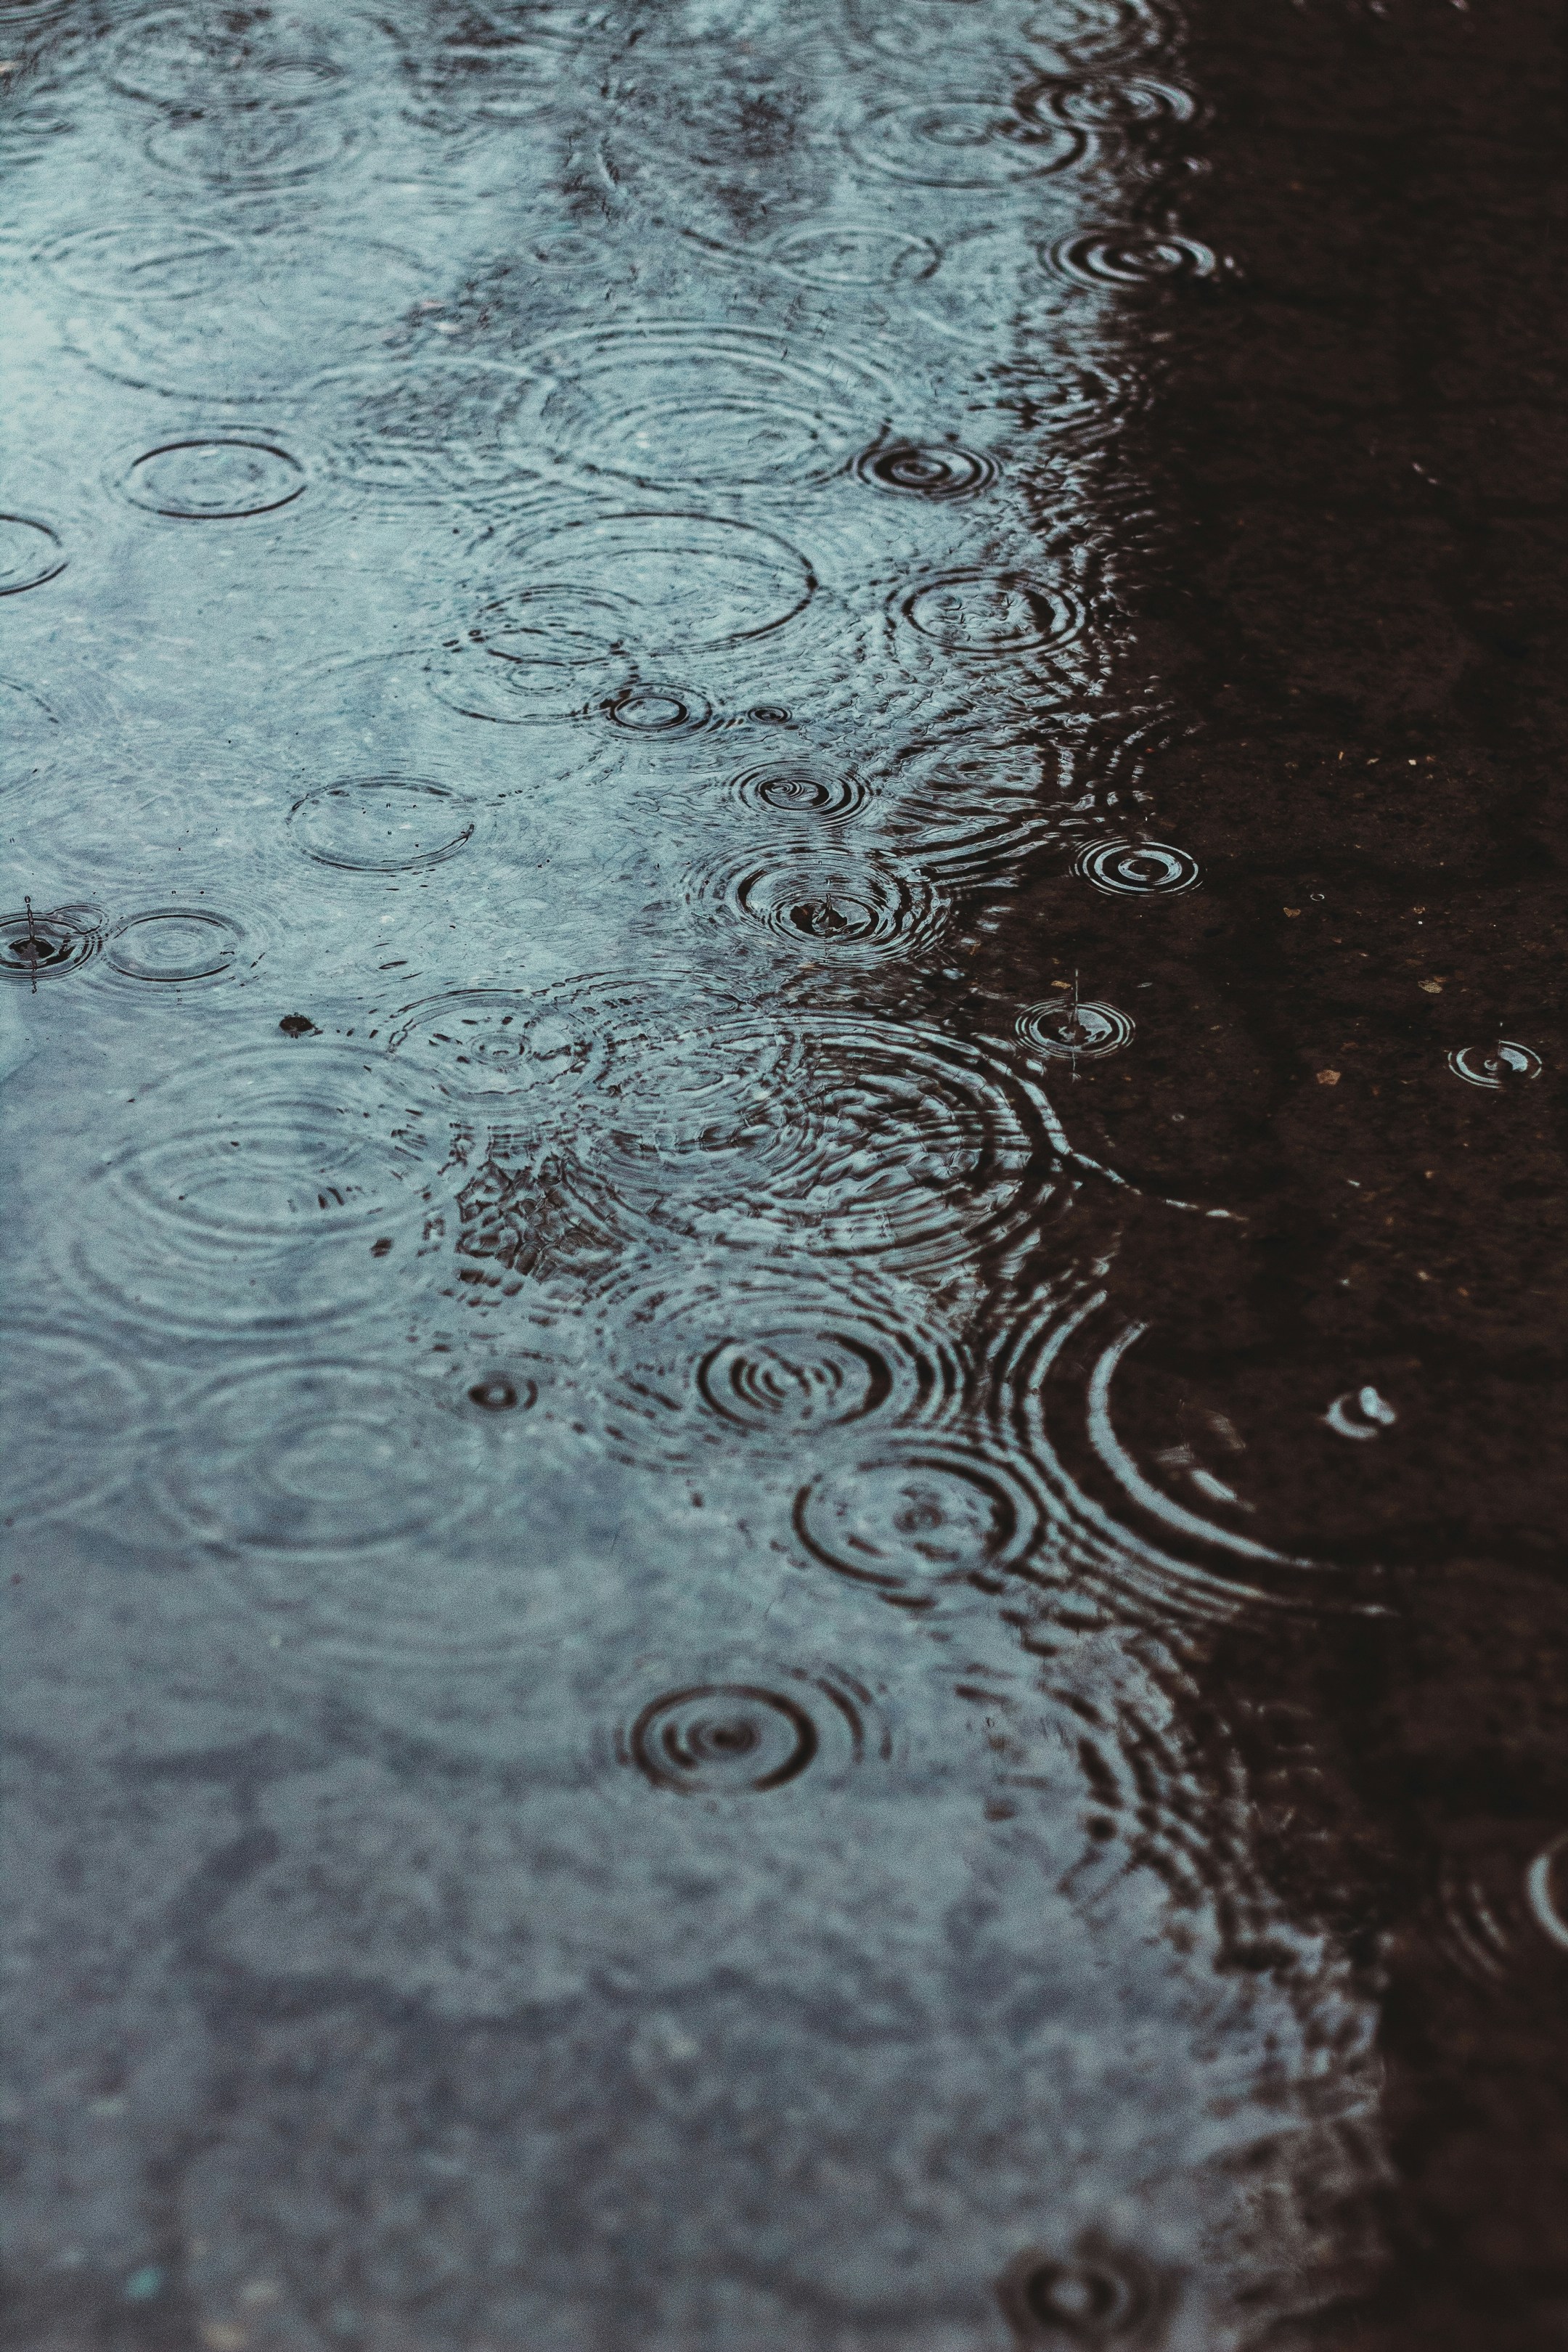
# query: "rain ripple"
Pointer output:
{"type": "Point", "coordinates": [745, 1739]}
{"type": "Point", "coordinates": [886, 1140]}
{"type": "Point", "coordinates": [381, 824]}
{"type": "Point", "coordinates": [927, 470]}
{"type": "Point", "coordinates": [34, 942]}
{"type": "Point", "coordinates": [30, 554]}
{"type": "Point", "coordinates": [218, 480]}
{"type": "Point", "coordinates": [964, 141]}
{"type": "Point", "coordinates": [260, 1193]}
{"type": "Point", "coordinates": [919, 1514]}
{"type": "Point", "coordinates": [761, 1362]}
{"type": "Point", "coordinates": [682, 407]}
{"type": "Point", "coordinates": [841, 904]}
{"type": "Point", "coordinates": [1128, 259]}
{"type": "Point", "coordinates": [175, 945]}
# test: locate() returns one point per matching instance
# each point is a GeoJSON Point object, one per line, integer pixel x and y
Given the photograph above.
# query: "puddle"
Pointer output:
{"type": "Point", "coordinates": [784, 1173]}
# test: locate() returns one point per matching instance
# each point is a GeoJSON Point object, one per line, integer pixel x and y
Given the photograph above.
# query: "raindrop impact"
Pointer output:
{"type": "Point", "coordinates": [722, 1739]}
{"type": "Point", "coordinates": [913, 1517]}
{"type": "Point", "coordinates": [214, 481]}
{"type": "Point", "coordinates": [174, 944]}
{"type": "Point", "coordinates": [381, 824]}
{"type": "Point", "coordinates": [828, 902]}
{"type": "Point", "coordinates": [1139, 869]}
{"type": "Point", "coordinates": [937, 470]}
{"type": "Point", "coordinates": [1099, 2294]}
{"type": "Point", "coordinates": [1073, 1030]}
{"type": "Point", "coordinates": [989, 616]}
{"type": "Point", "coordinates": [1502, 1065]}
{"type": "Point", "coordinates": [1360, 1413]}
{"type": "Point", "coordinates": [33, 943]}
{"type": "Point", "coordinates": [655, 708]}
{"type": "Point", "coordinates": [1123, 258]}
{"type": "Point", "coordinates": [964, 141]}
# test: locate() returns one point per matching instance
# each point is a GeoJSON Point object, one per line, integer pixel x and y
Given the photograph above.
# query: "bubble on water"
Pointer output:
{"type": "Point", "coordinates": [918, 1513]}
{"type": "Point", "coordinates": [1502, 1065]}
{"type": "Point", "coordinates": [1110, 104]}
{"type": "Point", "coordinates": [654, 707]}
{"type": "Point", "coordinates": [760, 1361]}
{"type": "Point", "coordinates": [38, 942]}
{"type": "Point", "coordinates": [847, 1135]}
{"type": "Point", "coordinates": [655, 584]}
{"type": "Point", "coordinates": [797, 788]}
{"type": "Point", "coordinates": [964, 141]}
{"type": "Point", "coordinates": [826, 902]}
{"type": "Point", "coordinates": [1128, 259]}
{"type": "Point", "coordinates": [194, 62]}
{"type": "Point", "coordinates": [1069, 1028]}
{"type": "Point", "coordinates": [249, 1195]}
{"type": "Point", "coordinates": [980, 615]}
{"type": "Point", "coordinates": [1138, 868]}
{"type": "Point", "coordinates": [1099, 2294]}
{"type": "Point", "coordinates": [30, 553]}
{"type": "Point", "coordinates": [937, 470]}
{"type": "Point", "coordinates": [682, 407]}
{"type": "Point", "coordinates": [260, 149]}
{"type": "Point", "coordinates": [381, 824]}
{"type": "Point", "coordinates": [1360, 1413]}
{"type": "Point", "coordinates": [174, 944]}
{"type": "Point", "coordinates": [219, 481]}
{"type": "Point", "coordinates": [483, 1043]}
{"type": "Point", "coordinates": [854, 256]}
{"type": "Point", "coordinates": [77, 1417]}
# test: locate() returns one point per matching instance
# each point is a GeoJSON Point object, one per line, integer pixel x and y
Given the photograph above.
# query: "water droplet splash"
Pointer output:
{"type": "Point", "coordinates": [964, 141]}
{"type": "Point", "coordinates": [1503, 1064]}
{"type": "Point", "coordinates": [33, 943]}
{"type": "Point", "coordinates": [1065, 1027]}
{"type": "Point", "coordinates": [830, 903]}
{"type": "Point", "coordinates": [759, 1363]}
{"type": "Point", "coordinates": [1360, 1413]}
{"type": "Point", "coordinates": [988, 616]}
{"type": "Point", "coordinates": [1139, 869]}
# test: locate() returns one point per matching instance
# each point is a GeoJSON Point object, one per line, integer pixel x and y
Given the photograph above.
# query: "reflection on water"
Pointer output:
{"type": "Point", "coordinates": [561, 1264]}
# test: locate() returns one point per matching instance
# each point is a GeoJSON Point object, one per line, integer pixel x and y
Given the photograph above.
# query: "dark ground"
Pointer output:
{"type": "Point", "coordinates": [1357, 459]}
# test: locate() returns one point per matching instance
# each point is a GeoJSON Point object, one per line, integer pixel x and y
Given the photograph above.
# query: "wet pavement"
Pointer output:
{"type": "Point", "coordinates": [781, 1026]}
